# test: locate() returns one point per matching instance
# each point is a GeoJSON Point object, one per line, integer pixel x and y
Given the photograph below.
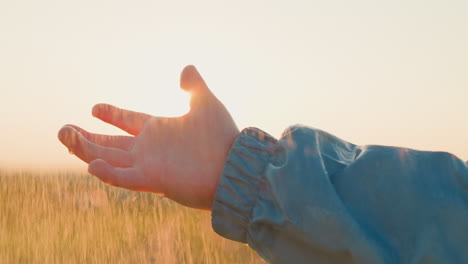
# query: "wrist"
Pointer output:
{"type": "Point", "coordinates": [238, 187]}
{"type": "Point", "coordinates": [218, 172]}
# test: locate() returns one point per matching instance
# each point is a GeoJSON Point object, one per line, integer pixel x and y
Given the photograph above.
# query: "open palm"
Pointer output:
{"type": "Point", "coordinates": [181, 158]}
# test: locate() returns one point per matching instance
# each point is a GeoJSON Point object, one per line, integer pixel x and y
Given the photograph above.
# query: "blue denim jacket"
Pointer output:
{"type": "Point", "coordinates": [311, 197]}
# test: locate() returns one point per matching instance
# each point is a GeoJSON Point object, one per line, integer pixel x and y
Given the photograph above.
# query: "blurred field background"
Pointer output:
{"type": "Point", "coordinates": [70, 217]}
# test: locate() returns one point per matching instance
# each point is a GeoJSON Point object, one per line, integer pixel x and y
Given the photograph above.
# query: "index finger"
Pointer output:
{"type": "Point", "coordinates": [129, 121]}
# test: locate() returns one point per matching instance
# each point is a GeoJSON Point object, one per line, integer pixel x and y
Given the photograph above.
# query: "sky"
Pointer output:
{"type": "Point", "coordinates": [369, 72]}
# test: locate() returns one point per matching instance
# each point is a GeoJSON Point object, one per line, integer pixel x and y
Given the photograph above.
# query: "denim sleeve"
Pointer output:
{"type": "Point", "coordinates": [311, 197]}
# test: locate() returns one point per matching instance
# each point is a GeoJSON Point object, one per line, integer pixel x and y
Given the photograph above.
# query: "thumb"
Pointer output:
{"type": "Point", "coordinates": [192, 82]}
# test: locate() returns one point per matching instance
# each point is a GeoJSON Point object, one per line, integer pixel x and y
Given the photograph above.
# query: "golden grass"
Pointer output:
{"type": "Point", "coordinates": [64, 217]}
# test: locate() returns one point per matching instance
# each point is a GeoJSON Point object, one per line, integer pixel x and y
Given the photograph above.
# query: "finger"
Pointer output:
{"type": "Point", "coordinates": [120, 142]}
{"type": "Point", "coordinates": [192, 82]}
{"type": "Point", "coordinates": [88, 151]}
{"type": "Point", "coordinates": [129, 121]}
{"type": "Point", "coordinates": [129, 178]}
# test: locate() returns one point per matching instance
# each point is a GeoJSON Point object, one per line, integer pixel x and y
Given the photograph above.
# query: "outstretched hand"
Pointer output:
{"type": "Point", "coordinates": [181, 157]}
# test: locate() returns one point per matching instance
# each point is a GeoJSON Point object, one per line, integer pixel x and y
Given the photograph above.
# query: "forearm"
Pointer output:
{"type": "Point", "coordinates": [311, 196]}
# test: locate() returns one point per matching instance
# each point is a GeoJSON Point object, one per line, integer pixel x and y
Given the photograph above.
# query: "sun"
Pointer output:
{"type": "Point", "coordinates": [165, 102]}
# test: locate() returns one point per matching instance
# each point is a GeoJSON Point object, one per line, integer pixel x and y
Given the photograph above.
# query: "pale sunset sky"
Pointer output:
{"type": "Point", "coordinates": [370, 72]}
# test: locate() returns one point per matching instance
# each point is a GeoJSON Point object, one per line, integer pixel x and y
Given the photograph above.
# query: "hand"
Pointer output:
{"type": "Point", "coordinates": [181, 158]}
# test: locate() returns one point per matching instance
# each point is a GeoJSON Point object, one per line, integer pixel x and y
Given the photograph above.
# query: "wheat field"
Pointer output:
{"type": "Point", "coordinates": [69, 217]}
